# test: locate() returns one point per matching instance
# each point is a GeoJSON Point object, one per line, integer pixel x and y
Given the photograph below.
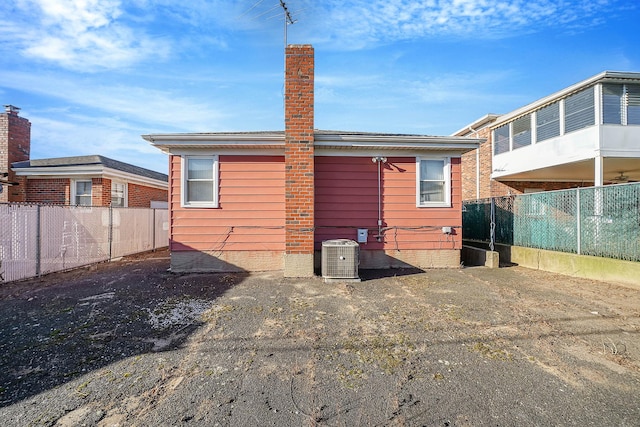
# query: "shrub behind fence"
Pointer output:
{"type": "Point", "coordinates": [599, 221]}
{"type": "Point", "coordinates": [37, 239]}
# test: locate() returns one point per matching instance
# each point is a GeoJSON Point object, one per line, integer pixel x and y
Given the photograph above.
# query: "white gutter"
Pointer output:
{"type": "Point", "coordinates": [86, 171]}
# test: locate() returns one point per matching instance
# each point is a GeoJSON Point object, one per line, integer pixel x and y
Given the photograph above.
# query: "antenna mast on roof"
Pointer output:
{"type": "Point", "coordinates": [287, 20]}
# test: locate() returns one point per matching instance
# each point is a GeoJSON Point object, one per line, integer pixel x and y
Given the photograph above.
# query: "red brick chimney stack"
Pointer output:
{"type": "Point", "coordinates": [15, 145]}
{"type": "Point", "coordinates": [299, 160]}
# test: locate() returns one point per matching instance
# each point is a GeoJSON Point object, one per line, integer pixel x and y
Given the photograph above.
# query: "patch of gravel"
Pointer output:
{"type": "Point", "coordinates": [130, 344]}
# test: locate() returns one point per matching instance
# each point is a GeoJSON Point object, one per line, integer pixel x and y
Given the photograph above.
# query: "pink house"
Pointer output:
{"type": "Point", "coordinates": [251, 201]}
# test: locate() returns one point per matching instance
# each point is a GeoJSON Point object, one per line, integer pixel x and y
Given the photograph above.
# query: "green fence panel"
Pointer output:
{"type": "Point", "coordinates": [599, 221]}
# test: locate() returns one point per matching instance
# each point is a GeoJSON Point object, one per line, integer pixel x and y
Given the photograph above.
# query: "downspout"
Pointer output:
{"type": "Point", "coordinates": [379, 160]}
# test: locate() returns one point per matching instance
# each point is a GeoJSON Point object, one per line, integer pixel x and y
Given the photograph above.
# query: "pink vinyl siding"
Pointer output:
{"type": "Point", "coordinates": [250, 216]}
{"type": "Point", "coordinates": [347, 199]}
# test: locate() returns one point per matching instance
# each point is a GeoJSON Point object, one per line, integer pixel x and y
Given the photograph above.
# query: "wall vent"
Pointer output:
{"type": "Point", "coordinates": [340, 259]}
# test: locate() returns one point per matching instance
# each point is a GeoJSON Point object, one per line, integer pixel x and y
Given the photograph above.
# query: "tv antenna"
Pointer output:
{"type": "Point", "coordinates": [287, 20]}
{"type": "Point", "coordinates": [278, 10]}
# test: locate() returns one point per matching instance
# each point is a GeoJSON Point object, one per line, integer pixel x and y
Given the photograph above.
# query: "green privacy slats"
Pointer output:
{"type": "Point", "coordinates": [598, 221]}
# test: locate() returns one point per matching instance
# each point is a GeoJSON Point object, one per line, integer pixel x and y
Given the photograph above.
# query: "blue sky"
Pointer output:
{"type": "Point", "coordinates": [94, 75]}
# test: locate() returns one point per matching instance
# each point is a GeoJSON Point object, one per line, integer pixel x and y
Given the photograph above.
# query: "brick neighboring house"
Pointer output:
{"type": "Point", "coordinates": [80, 180]}
{"type": "Point", "coordinates": [247, 201]}
{"type": "Point", "coordinates": [586, 134]}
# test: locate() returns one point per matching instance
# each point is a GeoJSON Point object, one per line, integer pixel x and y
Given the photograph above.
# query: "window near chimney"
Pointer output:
{"type": "Point", "coordinates": [200, 181]}
{"type": "Point", "coordinates": [82, 193]}
{"type": "Point", "coordinates": [433, 182]}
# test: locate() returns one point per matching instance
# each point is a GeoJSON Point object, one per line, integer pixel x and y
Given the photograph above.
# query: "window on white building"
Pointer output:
{"type": "Point", "coordinates": [501, 139]}
{"type": "Point", "coordinates": [620, 104]}
{"type": "Point", "coordinates": [579, 111]}
{"type": "Point", "coordinates": [200, 181]}
{"type": "Point", "coordinates": [612, 103]}
{"type": "Point", "coordinates": [633, 104]}
{"type": "Point", "coordinates": [433, 182]}
{"type": "Point", "coordinates": [548, 122]}
{"type": "Point", "coordinates": [522, 131]}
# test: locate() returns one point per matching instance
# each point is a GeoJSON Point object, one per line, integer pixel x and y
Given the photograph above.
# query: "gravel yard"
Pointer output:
{"type": "Point", "coordinates": [128, 343]}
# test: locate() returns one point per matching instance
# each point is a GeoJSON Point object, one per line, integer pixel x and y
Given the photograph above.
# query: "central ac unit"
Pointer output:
{"type": "Point", "coordinates": [340, 259]}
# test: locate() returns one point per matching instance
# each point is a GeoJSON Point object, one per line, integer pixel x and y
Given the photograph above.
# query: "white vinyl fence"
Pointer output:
{"type": "Point", "coordinates": [38, 239]}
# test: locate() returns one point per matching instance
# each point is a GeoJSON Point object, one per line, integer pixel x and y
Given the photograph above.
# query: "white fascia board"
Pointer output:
{"type": "Point", "coordinates": [167, 142]}
{"type": "Point", "coordinates": [396, 142]}
{"type": "Point", "coordinates": [134, 179]}
{"type": "Point", "coordinates": [88, 171]}
{"type": "Point", "coordinates": [60, 171]}
{"type": "Point", "coordinates": [373, 152]}
{"type": "Point", "coordinates": [225, 151]}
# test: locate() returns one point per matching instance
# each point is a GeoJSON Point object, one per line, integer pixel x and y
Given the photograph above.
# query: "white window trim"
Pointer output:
{"type": "Point", "coordinates": [447, 183]}
{"type": "Point", "coordinates": [74, 191]}
{"type": "Point", "coordinates": [183, 183]}
{"type": "Point", "coordinates": [125, 193]}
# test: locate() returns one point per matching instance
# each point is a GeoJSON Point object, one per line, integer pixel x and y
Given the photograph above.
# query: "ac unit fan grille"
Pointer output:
{"type": "Point", "coordinates": [340, 259]}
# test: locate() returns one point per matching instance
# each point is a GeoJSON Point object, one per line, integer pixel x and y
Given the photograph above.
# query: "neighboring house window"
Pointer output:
{"type": "Point", "coordinates": [501, 138]}
{"type": "Point", "coordinates": [200, 181]}
{"type": "Point", "coordinates": [522, 132]}
{"type": "Point", "coordinates": [548, 122]}
{"type": "Point", "coordinates": [433, 182]}
{"type": "Point", "coordinates": [118, 194]}
{"type": "Point", "coordinates": [82, 193]}
{"type": "Point", "coordinates": [621, 104]}
{"type": "Point", "coordinates": [579, 111]}
{"type": "Point", "coordinates": [612, 96]}
{"type": "Point", "coordinates": [633, 104]}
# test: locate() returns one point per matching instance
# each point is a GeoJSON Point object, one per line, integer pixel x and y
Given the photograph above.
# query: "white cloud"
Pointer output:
{"type": "Point", "coordinates": [150, 107]}
{"type": "Point", "coordinates": [82, 35]}
{"type": "Point", "coordinates": [361, 23]}
{"type": "Point", "coordinates": [65, 135]}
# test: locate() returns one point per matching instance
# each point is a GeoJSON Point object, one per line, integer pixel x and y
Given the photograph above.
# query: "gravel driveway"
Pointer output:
{"type": "Point", "coordinates": [130, 344]}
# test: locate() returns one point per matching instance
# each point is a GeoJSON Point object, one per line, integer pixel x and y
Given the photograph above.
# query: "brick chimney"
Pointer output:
{"type": "Point", "coordinates": [299, 161]}
{"type": "Point", "coordinates": [15, 145]}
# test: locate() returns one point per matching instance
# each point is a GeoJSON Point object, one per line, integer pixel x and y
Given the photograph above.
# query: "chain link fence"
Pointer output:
{"type": "Point", "coordinates": [38, 239]}
{"type": "Point", "coordinates": [599, 221]}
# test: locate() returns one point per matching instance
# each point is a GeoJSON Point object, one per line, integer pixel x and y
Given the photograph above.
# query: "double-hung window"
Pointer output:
{"type": "Point", "coordinates": [81, 193]}
{"type": "Point", "coordinates": [118, 195]}
{"type": "Point", "coordinates": [433, 186]}
{"type": "Point", "coordinates": [200, 181]}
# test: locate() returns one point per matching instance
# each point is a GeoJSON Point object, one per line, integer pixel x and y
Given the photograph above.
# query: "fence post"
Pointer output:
{"type": "Point", "coordinates": [492, 225]}
{"type": "Point", "coordinates": [38, 242]}
{"type": "Point", "coordinates": [578, 222]}
{"type": "Point", "coordinates": [153, 229]}
{"type": "Point", "coordinates": [110, 232]}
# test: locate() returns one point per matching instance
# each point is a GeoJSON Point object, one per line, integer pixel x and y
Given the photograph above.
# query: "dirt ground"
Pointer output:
{"type": "Point", "coordinates": [128, 343]}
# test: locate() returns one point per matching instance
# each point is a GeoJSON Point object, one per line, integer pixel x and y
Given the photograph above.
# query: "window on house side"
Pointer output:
{"type": "Point", "coordinates": [118, 195]}
{"type": "Point", "coordinates": [200, 181]}
{"type": "Point", "coordinates": [548, 122]}
{"type": "Point", "coordinates": [612, 101]}
{"type": "Point", "coordinates": [501, 138]}
{"type": "Point", "coordinates": [522, 131]}
{"type": "Point", "coordinates": [633, 104]}
{"type": "Point", "coordinates": [82, 196]}
{"type": "Point", "coordinates": [434, 182]}
{"type": "Point", "coordinates": [579, 111]}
